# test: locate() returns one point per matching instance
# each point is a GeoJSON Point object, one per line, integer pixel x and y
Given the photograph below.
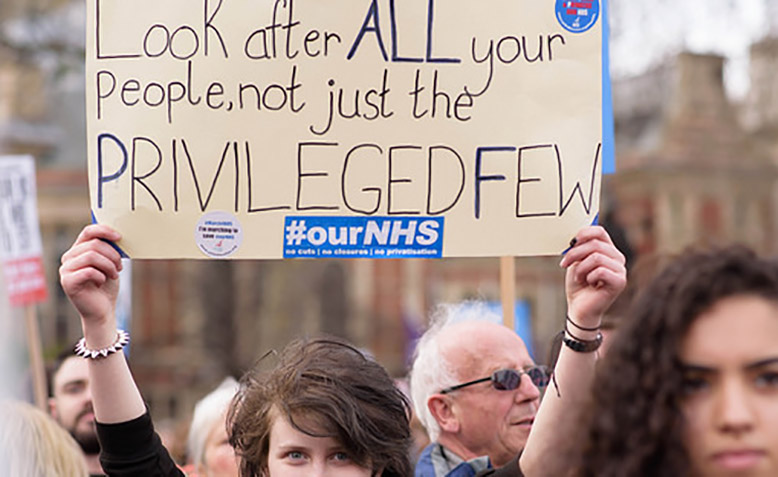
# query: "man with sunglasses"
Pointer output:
{"type": "Point", "coordinates": [475, 387]}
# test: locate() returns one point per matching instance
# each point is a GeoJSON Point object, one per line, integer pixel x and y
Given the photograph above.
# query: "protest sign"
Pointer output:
{"type": "Point", "coordinates": [344, 128]}
{"type": "Point", "coordinates": [21, 255]}
{"type": "Point", "coordinates": [20, 241]}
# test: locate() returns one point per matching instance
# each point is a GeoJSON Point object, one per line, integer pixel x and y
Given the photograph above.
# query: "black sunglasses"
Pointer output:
{"type": "Point", "coordinates": [509, 379]}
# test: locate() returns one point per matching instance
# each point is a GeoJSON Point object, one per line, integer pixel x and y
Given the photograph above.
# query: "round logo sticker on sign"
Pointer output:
{"type": "Point", "coordinates": [577, 16]}
{"type": "Point", "coordinates": [218, 234]}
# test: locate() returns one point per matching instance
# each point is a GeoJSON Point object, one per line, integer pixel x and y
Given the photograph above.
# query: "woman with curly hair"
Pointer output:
{"type": "Point", "coordinates": [690, 388]}
{"type": "Point", "coordinates": [324, 410]}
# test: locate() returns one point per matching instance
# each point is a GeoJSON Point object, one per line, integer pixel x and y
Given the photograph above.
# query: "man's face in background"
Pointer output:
{"type": "Point", "coordinates": [71, 404]}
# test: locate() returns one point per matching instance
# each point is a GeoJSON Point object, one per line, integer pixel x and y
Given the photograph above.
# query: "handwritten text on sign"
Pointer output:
{"type": "Point", "coordinates": [238, 115]}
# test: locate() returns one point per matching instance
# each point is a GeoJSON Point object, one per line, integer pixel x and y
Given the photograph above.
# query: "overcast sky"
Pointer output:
{"type": "Point", "coordinates": [646, 31]}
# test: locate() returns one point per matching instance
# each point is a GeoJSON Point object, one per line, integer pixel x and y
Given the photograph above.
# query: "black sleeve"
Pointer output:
{"type": "Point", "coordinates": [133, 448]}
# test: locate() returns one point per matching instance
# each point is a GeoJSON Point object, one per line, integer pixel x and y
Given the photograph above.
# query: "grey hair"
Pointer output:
{"type": "Point", "coordinates": [208, 412]}
{"type": "Point", "coordinates": [431, 372]}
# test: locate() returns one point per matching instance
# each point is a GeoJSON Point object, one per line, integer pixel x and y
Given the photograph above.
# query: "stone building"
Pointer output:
{"type": "Point", "coordinates": [688, 170]}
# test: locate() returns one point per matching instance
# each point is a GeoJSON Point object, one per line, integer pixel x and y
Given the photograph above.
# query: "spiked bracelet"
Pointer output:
{"type": "Point", "coordinates": [122, 339]}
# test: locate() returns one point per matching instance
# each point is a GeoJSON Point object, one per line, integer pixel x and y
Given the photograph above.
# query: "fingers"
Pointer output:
{"type": "Point", "coordinates": [95, 254]}
{"type": "Point", "coordinates": [74, 281]}
{"type": "Point", "coordinates": [92, 236]}
{"type": "Point", "coordinates": [595, 261]}
{"type": "Point", "coordinates": [598, 270]}
{"type": "Point", "coordinates": [91, 258]}
{"type": "Point", "coordinates": [96, 246]}
{"type": "Point", "coordinates": [97, 231]}
{"type": "Point", "coordinates": [589, 241]}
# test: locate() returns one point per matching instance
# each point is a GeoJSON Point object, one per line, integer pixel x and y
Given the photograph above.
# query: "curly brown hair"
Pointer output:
{"type": "Point", "coordinates": [635, 421]}
{"type": "Point", "coordinates": [323, 388]}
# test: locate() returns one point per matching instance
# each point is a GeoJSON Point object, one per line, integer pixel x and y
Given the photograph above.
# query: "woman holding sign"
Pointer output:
{"type": "Point", "coordinates": [688, 388]}
{"type": "Point", "coordinates": [325, 409]}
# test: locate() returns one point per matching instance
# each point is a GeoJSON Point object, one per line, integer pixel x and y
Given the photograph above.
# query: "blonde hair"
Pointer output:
{"type": "Point", "coordinates": [32, 444]}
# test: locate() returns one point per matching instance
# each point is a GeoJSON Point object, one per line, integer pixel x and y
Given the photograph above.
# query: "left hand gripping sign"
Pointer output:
{"type": "Point", "coordinates": [344, 128]}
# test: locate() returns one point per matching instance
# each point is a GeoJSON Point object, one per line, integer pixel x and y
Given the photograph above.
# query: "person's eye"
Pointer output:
{"type": "Point", "coordinates": [73, 389]}
{"type": "Point", "coordinates": [694, 384]}
{"type": "Point", "coordinates": [295, 456]}
{"type": "Point", "coordinates": [767, 379]}
{"type": "Point", "coordinates": [341, 457]}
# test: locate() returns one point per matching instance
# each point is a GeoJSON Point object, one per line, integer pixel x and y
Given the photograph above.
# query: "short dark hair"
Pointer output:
{"type": "Point", "coordinates": [336, 391]}
{"type": "Point", "coordinates": [636, 425]}
{"type": "Point", "coordinates": [53, 368]}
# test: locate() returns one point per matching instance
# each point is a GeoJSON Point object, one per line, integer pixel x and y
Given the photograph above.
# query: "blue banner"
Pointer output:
{"type": "Point", "coordinates": [363, 237]}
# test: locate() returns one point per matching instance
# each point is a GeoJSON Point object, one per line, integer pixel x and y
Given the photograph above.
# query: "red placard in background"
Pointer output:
{"type": "Point", "coordinates": [20, 242]}
{"type": "Point", "coordinates": [25, 281]}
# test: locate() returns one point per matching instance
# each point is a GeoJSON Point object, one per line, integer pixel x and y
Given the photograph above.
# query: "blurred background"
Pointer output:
{"type": "Point", "coordinates": [696, 111]}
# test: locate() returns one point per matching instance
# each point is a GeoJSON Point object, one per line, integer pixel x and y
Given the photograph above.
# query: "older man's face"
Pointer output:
{"type": "Point", "coordinates": [71, 405]}
{"type": "Point", "coordinates": [492, 422]}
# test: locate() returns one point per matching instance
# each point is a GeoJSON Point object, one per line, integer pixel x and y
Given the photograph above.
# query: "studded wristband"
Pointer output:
{"type": "Point", "coordinates": [122, 339]}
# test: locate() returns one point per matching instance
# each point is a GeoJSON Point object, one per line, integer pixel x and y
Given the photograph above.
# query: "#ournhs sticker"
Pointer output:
{"type": "Point", "coordinates": [363, 237]}
{"type": "Point", "coordinates": [218, 234]}
{"type": "Point", "coordinates": [577, 16]}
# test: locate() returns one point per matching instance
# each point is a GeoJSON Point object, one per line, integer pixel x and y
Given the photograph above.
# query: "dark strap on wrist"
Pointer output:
{"type": "Point", "coordinates": [582, 346]}
{"type": "Point", "coordinates": [576, 325]}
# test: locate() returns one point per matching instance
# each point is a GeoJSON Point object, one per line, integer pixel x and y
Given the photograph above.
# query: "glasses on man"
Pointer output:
{"type": "Point", "coordinates": [509, 379]}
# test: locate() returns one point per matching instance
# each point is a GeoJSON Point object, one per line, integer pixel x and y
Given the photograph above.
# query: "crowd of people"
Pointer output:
{"type": "Point", "coordinates": [689, 386]}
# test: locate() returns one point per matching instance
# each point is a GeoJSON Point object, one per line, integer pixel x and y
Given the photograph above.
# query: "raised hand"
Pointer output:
{"type": "Point", "coordinates": [596, 274]}
{"type": "Point", "coordinates": [89, 274]}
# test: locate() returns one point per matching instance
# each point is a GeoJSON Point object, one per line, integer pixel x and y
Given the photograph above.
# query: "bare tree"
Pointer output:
{"type": "Point", "coordinates": [46, 33]}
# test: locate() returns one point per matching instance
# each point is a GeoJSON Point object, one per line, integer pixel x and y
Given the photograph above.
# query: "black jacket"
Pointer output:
{"type": "Point", "coordinates": [133, 448]}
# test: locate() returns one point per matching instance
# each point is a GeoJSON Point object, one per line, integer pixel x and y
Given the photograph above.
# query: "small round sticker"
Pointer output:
{"type": "Point", "coordinates": [577, 16]}
{"type": "Point", "coordinates": [218, 234]}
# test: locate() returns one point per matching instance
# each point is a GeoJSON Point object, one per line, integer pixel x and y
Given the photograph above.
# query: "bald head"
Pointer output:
{"type": "Point", "coordinates": [472, 349]}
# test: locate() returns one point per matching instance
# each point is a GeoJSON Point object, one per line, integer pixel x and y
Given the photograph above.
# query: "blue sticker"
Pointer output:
{"type": "Point", "coordinates": [578, 16]}
{"type": "Point", "coordinates": [363, 237]}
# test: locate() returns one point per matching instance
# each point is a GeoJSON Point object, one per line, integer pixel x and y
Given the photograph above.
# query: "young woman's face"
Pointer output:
{"type": "Point", "coordinates": [730, 355]}
{"type": "Point", "coordinates": [293, 453]}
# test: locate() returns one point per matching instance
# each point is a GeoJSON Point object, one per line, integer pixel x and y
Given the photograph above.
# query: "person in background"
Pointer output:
{"type": "Point", "coordinates": [476, 388]}
{"type": "Point", "coordinates": [691, 386]}
{"type": "Point", "coordinates": [208, 447]}
{"type": "Point", "coordinates": [32, 444]}
{"type": "Point", "coordinates": [324, 410]}
{"type": "Point", "coordinates": [173, 434]}
{"type": "Point", "coordinates": [70, 405]}
{"type": "Point", "coordinates": [476, 425]}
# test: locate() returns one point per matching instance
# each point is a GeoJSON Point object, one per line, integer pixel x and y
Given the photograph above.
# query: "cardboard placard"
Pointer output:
{"type": "Point", "coordinates": [334, 128]}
